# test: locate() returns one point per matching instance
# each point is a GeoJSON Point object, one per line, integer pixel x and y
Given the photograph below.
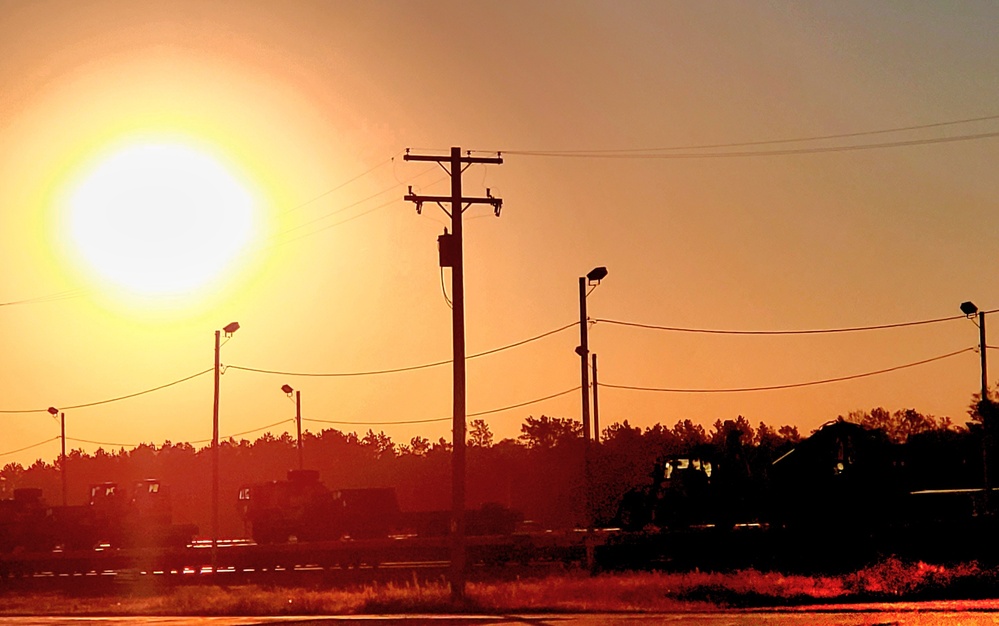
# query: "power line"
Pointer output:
{"type": "Point", "coordinates": [53, 297]}
{"type": "Point", "coordinates": [792, 385]}
{"type": "Point", "coordinates": [351, 205]}
{"type": "Point", "coordinates": [262, 371]}
{"type": "Point", "coordinates": [817, 331]}
{"type": "Point", "coordinates": [448, 418]}
{"type": "Point", "coordinates": [343, 184]}
{"type": "Point", "coordinates": [517, 406]}
{"type": "Point", "coordinates": [402, 369]}
{"type": "Point", "coordinates": [116, 399]}
{"type": "Point", "coordinates": [340, 223]}
{"type": "Point", "coordinates": [34, 445]}
{"type": "Point", "coordinates": [135, 445]}
{"type": "Point", "coordinates": [245, 432]}
{"type": "Point", "coordinates": [765, 142]}
{"type": "Point", "coordinates": [104, 443]}
{"type": "Point", "coordinates": [760, 153]}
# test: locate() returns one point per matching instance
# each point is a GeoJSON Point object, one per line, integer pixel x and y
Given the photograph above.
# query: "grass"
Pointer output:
{"type": "Point", "coordinates": [641, 592]}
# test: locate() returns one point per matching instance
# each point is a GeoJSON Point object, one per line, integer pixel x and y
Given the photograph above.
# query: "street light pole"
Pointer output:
{"type": "Point", "coordinates": [593, 278]}
{"type": "Point", "coordinates": [584, 349]}
{"type": "Point", "coordinates": [229, 329]}
{"type": "Point", "coordinates": [62, 456]}
{"type": "Point", "coordinates": [298, 420]}
{"type": "Point", "coordinates": [215, 456]}
{"type": "Point", "coordinates": [984, 404]}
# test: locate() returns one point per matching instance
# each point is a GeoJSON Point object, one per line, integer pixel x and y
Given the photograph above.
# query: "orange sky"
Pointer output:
{"type": "Point", "coordinates": [297, 100]}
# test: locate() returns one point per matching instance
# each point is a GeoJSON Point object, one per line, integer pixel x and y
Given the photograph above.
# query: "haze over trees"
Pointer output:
{"type": "Point", "coordinates": [539, 473]}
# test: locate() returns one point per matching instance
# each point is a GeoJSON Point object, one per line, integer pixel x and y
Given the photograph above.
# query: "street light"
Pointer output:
{"type": "Point", "coordinates": [592, 279]}
{"type": "Point", "coordinates": [228, 329]}
{"type": "Point", "coordinates": [62, 457]}
{"type": "Point", "coordinates": [984, 408]}
{"type": "Point", "coordinates": [970, 310]}
{"type": "Point", "coordinates": [287, 389]}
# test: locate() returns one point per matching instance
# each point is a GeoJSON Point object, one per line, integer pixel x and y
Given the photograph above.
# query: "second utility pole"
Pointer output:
{"type": "Point", "coordinates": [451, 256]}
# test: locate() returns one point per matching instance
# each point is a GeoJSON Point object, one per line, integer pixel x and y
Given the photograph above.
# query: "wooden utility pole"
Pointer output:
{"type": "Point", "coordinates": [986, 413]}
{"type": "Point", "coordinates": [584, 350]}
{"type": "Point", "coordinates": [981, 348]}
{"type": "Point", "coordinates": [596, 405]}
{"type": "Point", "coordinates": [62, 467]}
{"type": "Point", "coordinates": [215, 456]}
{"type": "Point", "coordinates": [298, 425]}
{"type": "Point", "coordinates": [451, 256]}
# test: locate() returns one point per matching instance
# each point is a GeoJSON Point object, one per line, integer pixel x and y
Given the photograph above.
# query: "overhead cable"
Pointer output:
{"type": "Point", "coordinates": [245, 432]}
{"type": "Point", "coordinates": [791, 385]}
{"type": "Point", "coordinates": [116, 399]}
{"type": "Point", "coordinates": [34, 445]}
{"type": "Point", "coordinates": [104, 443]}
{"type": "Point", "coordinates": [766, 142]}
{"type": "Point", "coordinates": [343, 184]}
{"type": "Point", "coordinates": [757, 153]}
{"type": "Point", "coordinates": [53, 297]}
{"type": "Point", "coordinates": [817, 331]}
{"type": "Point", "coordinates": [448, 418]}
{"type": "Point", "coordinates": [402, 369]}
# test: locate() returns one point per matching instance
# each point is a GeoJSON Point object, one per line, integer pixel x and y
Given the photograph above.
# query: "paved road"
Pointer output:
{"type": "Point", "coordinates": [869, 615]}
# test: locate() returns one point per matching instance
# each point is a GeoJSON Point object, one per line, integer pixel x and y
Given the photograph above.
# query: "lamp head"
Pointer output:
{"type": "Point", "coordinates": [230, 328]}
{"type": "Point", "coordinates": [287, 389]}
{"type": "Point", "coordinates": [596, 275]}
{"type": "Point", "coordinates": [54, 411]}
{"type": "Point", "coordinates": [969, 308]}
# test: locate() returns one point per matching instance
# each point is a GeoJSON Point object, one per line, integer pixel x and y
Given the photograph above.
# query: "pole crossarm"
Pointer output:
{"type": "Point", "coordinates": [496, 160]}
{"type": "Point", "coordinates": [417, 199]}
{"type": "Point", "coordinates": [496, 202]}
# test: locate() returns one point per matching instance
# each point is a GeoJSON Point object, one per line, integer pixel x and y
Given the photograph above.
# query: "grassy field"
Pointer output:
{"type": "Point", "coordinates": [648, 591]}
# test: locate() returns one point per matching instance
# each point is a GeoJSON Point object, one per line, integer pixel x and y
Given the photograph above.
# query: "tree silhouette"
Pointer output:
{"type": "Point", "coordinates": [548, 432]}
{"type": "Point", "coordinates": [479, 434]}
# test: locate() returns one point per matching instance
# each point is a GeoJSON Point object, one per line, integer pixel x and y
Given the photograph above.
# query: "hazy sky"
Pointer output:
{"type": "Point", "coordinates": [299, 99]}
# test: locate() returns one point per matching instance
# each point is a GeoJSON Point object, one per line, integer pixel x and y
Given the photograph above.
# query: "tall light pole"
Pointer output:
{"type": "Point", "coordinates": [592, 279]}
{"type": "Point", "coordinates": [62, 457]}
{"type": "Point", "coordinates": [228, 329]}
{"type": "Point", "coordinates": [970, 310]}
{"type": "Point", "coordinates": [287, 389]}
{"type": "Point", "coordinates": [984, 409]}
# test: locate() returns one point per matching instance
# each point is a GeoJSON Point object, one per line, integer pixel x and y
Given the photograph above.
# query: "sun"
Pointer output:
{"type": "Point", "coordinates": [160, 218]}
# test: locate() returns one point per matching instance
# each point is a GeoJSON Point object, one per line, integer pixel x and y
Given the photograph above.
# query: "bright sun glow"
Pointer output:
{"type": "Point", "coordinates": [160, 219]}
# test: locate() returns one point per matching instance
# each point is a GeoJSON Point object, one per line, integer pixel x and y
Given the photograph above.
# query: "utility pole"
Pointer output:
{"type": "Point", "coordinates": [215, 456]}
{"type": "Point", "coordinates": [62, 457]}
{"type": "Point", "coordinates": [584, 374]}
{"type": "Point", "coordinates": [981, 349]}
{"type": "Point", "coordinates": [596, 406]}
{"type": "Point", "coordinates": [986, 410]}
{"type": "Point", "coordinates": [451, 256]}
{"type": "Point", "coordinates": [298, 423]}
{"type": "Point", "coordinates": [62, 472]}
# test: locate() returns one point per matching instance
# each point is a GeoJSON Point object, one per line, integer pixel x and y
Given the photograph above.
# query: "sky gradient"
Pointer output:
{"type": "Point", "coordinates": [311, 106]}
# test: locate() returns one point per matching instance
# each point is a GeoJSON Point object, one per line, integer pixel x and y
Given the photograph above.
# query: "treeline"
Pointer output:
{"type": "Point", "coordinates": [541, 473]}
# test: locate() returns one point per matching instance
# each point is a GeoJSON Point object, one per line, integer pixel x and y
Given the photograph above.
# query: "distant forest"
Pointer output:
{"type": "Point", "coordinates": [540, 473]}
